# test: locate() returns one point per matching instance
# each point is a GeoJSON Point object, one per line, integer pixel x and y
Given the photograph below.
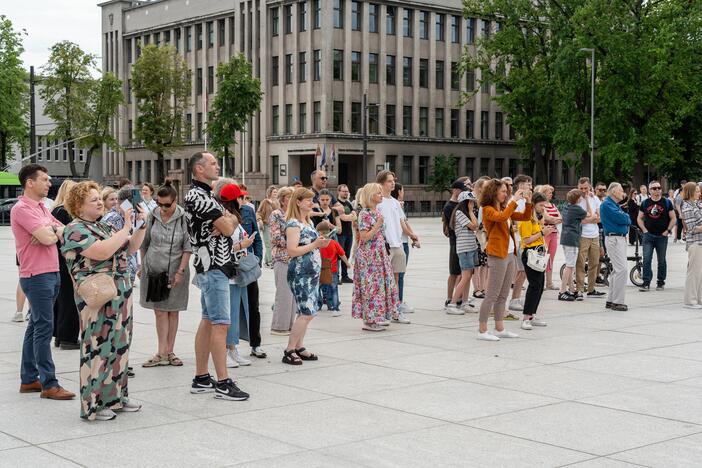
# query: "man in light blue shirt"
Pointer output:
{"type": "Point", "coordinates": [615, 223]}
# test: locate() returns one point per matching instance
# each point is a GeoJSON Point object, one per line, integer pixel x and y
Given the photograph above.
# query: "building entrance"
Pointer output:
{"type": "Point", "coordinates": [351, 172]}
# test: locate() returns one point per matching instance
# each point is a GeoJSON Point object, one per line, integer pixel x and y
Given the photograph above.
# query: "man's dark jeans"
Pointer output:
{"type": "Point", "coordinates": [37, 363]}
{"type": "Point", "coordinates": [652, 242]}
{"type": "Point", "coordinates": [346, 242]}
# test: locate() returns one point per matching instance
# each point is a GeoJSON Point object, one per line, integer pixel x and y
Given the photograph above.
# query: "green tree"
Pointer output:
{"type": "Point", "coordinates": [66, 89]}
{"type": "Point", "coordinates": [103, 102]}
{"type": "Point", "coordinates": [13, 90]}
{"type": "Point", "coordinates": [443, 174]}
{"type": "Point", "coordinates": [238, 97]}
{"type": "Point", "coordinates": [161, 84]}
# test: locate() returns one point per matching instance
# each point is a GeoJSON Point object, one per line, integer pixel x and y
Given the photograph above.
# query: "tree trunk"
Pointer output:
{"type": "Point", "coordinates": [88, 159]}
{"type": "Point", "coordinates": [3, 150]}
{"type": "Point", "coordinates": [71, 160]}
{"type": "Point", "coordinates": [160, 168]}
{"type": "Point", "coordinates": [539, 168]}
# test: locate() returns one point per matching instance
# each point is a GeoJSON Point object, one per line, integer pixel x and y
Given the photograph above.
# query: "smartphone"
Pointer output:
{"type": "Point", "coordinates": [135, 198]}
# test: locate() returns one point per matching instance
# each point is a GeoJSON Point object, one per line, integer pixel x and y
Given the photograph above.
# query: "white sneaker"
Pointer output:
{"type": "Point", "coordinates": [505, 334]}
{"type": "Point", "coordinates": [405, 308]}
{"type": "Point", "coordinates": [105, 415]}
{"type": "Point", "coordinates": [538, 322]}
{"type": "Point", "coordinates": [526, 325]}
{"type": "Point", "coordinates": [128, 406]}
{"type": "Point", "coordinates": [401, 319]}
{"type": "Point", "coordinates": [231, 359]}
{"type": "Point", "coordinates": [692, 306]}
{"type": "Point", "coordinates": [336, 313]}
{"type": "Point", "coordinates": [241, 360]}
{"type": "Point", "coordinates": [487, 337]}
{"type": "Point", "coordinates": [516, 305]}
{"type": "Point", "coordinates": [18, 317]}
{"type": "Point", "coordinates": [453, 309]}
{"type": "Point", "coordinates": [468, 307]}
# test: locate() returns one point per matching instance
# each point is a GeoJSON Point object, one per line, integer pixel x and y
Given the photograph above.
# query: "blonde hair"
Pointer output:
{"type": "Point", "coordinates": [688, 191]}
{"type": "Point", "coordinates": [293, 211]}
{"type": "Point", "coordinates": [66, 187]}
{"type": "Point", "coordinates": [106, 192]}
{"type": "Point", "coordinates": [75, 198]}
{"type": "Point", "coordinates": [284, 192]}
{"type": "Point", "coordinates": [366, 197]}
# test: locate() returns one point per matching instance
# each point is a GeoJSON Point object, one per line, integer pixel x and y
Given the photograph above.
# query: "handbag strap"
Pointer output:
{"type": "Point", "coordinates": [170, 249]}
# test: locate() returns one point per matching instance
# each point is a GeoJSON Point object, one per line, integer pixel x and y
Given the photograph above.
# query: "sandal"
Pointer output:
{"type": "Point", "coordinates": [156, 360]}
{"type": "Point", "coordinates": [479, 294]}
{"type": "Point", "coordinates": [374, 327]}
{"type": "Point", "coordinates": [174, 360]}
{"type": "Point", "coordinates": [309, 357]}
{"type": "Point", "coordinates": [289, 357]}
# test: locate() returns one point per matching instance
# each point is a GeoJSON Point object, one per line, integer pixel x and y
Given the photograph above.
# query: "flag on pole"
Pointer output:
{"type": "Point", "coordinates": [317, 154]}
{"type": "Point", "coordinates": [324, 157]}
{"type": "Point", "coordinates": [333, 154]}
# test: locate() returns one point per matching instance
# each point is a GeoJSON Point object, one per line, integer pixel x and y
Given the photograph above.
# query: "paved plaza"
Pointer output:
{"type": "Point", "coordinates": [594, 388]}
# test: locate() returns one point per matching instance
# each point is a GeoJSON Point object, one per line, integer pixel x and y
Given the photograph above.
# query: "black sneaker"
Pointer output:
{"type": "Point", "coordinates": [204, 384]}
{"type": "Point", "coordinates": [608, 305]}
{"type": "Point", "coordinates": [595, 293]}
{"type": "Point", "coordinates": [645, 287]}
{"type": "Point", "coordinates": [620, 307]}
{"type": "Point", "coordinates": [578, 296]}
{"type": "Point", "coordinates": [347, 280]}
{"type": "Point", "coordinates": [659, 287]}
{"type": "Point", "coordinates": [228, 390]}
{"type": "Point", "coordinates": [566, 296]}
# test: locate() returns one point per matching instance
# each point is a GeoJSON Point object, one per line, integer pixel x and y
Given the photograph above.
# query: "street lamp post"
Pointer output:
{"type": "Point", "coordinates": [592, 112]}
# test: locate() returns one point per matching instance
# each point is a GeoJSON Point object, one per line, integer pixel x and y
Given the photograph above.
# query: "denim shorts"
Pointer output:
{"type": "Point", "coordinates": [571, 255]}
{"type": "Point", "coordinates": [468, 260]}
{"type": "Point", "coordinates": [214, 297]}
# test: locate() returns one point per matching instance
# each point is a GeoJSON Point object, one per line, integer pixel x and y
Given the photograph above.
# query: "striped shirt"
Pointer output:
{"type": "Point", "coordinates": [552, 210]}
{"type": "Point", "coordinates": [692, 217]}
{"type": "Point", "coordinates": [465, 238]}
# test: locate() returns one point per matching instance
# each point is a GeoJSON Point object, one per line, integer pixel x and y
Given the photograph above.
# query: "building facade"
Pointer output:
{"type": "Point", "coordinates": [316, 60]}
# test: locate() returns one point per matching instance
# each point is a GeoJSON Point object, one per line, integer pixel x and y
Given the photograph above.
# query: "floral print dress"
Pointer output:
{"type": "Point", "coordinates": [303, 271]}
{"type": "Point", "coordinates": [106, 332]}
{"type": "Point", "coordinates": [375, 297]}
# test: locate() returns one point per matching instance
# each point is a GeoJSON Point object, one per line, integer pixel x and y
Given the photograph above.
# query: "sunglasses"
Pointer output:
{"type": "Point", "coordinates": [324, 178]}
{"type": "Point", "coordinates": [655, 188]}
{"type": "Point", "coordinates": [165, 205]}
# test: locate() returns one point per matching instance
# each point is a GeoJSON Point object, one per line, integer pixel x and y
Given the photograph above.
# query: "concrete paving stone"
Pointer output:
{"type": "Point", "coordinates": [559, 382]}
{"type": "Point", "coordinates": [587, 428]}
{"type": "Point", "coordinates": [664, 400]}
{"type": "Point", "coordinates": [641, 366]}
{"type": "Point", "coordinates": [453, 446]}
{"type": "Point", "coordinates": [683, 331]}
{"type": "Point", "coordinates": [679, 452]}
{"type": "Point", "coordinates": [453, 400]}
{"type": "Point", "coordinates": [307, 459]}
{"type": "Point", "coordinates": [458, 339]}
{"type": "Point", "coordinates": [325, 423]}
{"type": "Point", "coordinates": [34, 456]}
{"type": "Point", "coordinates": [620, 339]}
{"type": "Point", "coordinates": [691, 351]}
{"type": "Point", "coordinates": [9, 442]}
{"type": "Point", "coordinates": [604, 462]}
{"type": "Point", "coordinates": [264, 395]}
{"type": "Point", "coordinates": [183, 444]}
{"type": "Point", "coordinates": [368, 350]}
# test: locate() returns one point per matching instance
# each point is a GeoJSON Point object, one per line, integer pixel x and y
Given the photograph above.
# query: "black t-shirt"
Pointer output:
{"type": "Point", "coordinates": [655, 215]}
{"type": "Point", "coordinates": [446, 218]}
{"type": "Point", "coordinates": [346, 225]}
{"type": "Point", "coordinates": [331, 217]}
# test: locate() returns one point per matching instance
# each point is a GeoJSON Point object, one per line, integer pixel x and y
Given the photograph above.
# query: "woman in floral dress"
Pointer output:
{"type": "Point", "coordinates": [285, 308]}
{"type": "Point", "coordinates": [91, 246]}
{"type": "Point", "coordinates": [304, 268]}
{"type": "Point", "coordinates": [375, 297]}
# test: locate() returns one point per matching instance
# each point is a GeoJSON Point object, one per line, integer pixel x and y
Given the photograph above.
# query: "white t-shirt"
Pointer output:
{"type": "Point", "coordinates": [591, 230]}
{"type": "Point", "coordinates": [392, 213]}
{"type": "Point", "coordinates": [238, 235]}
{"type": "Point", "coordinates": [521, 206]}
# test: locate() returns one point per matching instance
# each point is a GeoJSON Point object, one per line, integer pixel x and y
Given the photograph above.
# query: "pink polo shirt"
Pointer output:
{"type": "Point", "coordinates": [26, 217]}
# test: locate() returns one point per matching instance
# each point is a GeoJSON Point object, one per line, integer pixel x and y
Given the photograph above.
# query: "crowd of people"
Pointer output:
{"type": "Point", "coordinates": [80, 261]}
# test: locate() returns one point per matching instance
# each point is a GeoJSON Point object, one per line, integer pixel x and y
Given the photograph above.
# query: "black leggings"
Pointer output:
{"type": "Point", "coordinates": [254, 315]}
{"type": "Point", "coordinates": [536, 286]}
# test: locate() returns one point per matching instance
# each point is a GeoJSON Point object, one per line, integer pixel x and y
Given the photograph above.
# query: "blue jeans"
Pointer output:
{"type": "Point", "coordinates": [214, 296]}
{"type": "Point", "coordinates": [238, 297]}
{"type": "Point", "coordinates": [401, 276]}
{"type": "Point", "coordinates": [37, 363]}
{"type": "Point", "coordinates": [329, 293]}
{"type": "Point", "coordinates": [660, 244]}
{"type": "Point", "coordinates": [346, 242]}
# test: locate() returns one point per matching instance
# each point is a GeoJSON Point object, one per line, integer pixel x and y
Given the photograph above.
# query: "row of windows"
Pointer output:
{"type": "Point", "coordinates": [48, 150]}
{"type": "Point", "coordinates": [374, 18]}
{"type": "Point", "coordinates": [390, 120]}
{"type": "Point", "coordinates": [404, 168]}
{"type": "Point", "coordinates": [373, 67]}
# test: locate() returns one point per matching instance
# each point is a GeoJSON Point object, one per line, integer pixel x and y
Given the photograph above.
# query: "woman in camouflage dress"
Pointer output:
{"type": "Point", "coordinates": [90, 247]}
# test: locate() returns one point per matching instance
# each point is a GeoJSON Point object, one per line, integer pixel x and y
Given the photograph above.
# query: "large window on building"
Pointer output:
{"type": "Point", "coordinates": [198, 33]}
{"type": "Point", "coordinates": [198, 82]}
{"type": "Point", "coordinates": [356, 117]}
{"type": "Point", "coordinates": [373, 119]}
{"type": "Point", "coordinates": [210, 35]}
{"type": "Point", "coordinates": [373, 14]}
{"type": "Point", "coordinates": [454, 76]}
{"type": "Point", "coordinates": [485, 28]}
{"type": "Point", "coordinates": [390, 70]}
{"type": "Point", "coordinates": [275, 169]}
{"type": "Point", "coordinates": [302, 67]}
{"type": "Point", "coordinates": [439, 122]}
{"type": "Point", "coordinates": [424, 73]}
{"type": "Point", "coordinates": [317, 65]}
{"type": "Point", "coordinates": [302, 16]}
{"type": "Point", "coordinates": [470, 124]}
{"type": "Point", "coordinates": [423, 170]}
{"type": "Point", "coordinates": [339, 14]}
{"type": "Point", "coordinates": [274, 120]}
{"type": "Point", "coordinates": [317, 121]}
{"type": "Point", "coordinates": [484, 125]}
{"type": "Point", "coordinates": [199, 126]}
{"type": "Point", "coordinates": [355, 66]}
{"type": "Point", "coordinates": [455, 113]}
{"type": "Point", "coordinates": [372, 68]}
{"type": "Point", "coordinates": [440, 26]}
{"type": "Point", "coordinates": [317, 12]}
{"type": "Point", "coordinates": [498, 125]}
{"type": "Point", "coordinates": [439, 74]}
{"type": "Point", "coordinates": [274, 70]}
{"type": "Point", "coordinates": [470, 80]}
{"type": "Point", "coordinates": [407, 15]}
{"type": "Point", "coordinates": [407, 169]}
{"type": "Point", "coordinates": [424, 24]}
{"type": "Point", "coordinates": [188, 38]}
{"type": "Point", "coordinates": [390, 119]}
{"type": "Point", "coordinates": [455, 29]}
{"type": "Point", "coordinates": [407, 71]}
{"type": "Point", "coordinates": [288, 118]}
{"type": "Point", "coordinates": [338, 64]}
{"type": "Point", "coordinates": [390, 20]}
{"type": "Point", "coordinates": [423, 121]}
{"type": "Point", "coordinates": [287, 19]}
{"type": "Point", "coordinates": [302, 117]}
{"type": "Point", "coordinates": [470, 30]}
{"type": "Point", "coordinates": [288, 69]}
{"type": "Point", "coordinates": [210, 80]}
{"type": "Point", "coordinates": [407, 120]}
{"type": "Point", "coordinates": [221, 30]}
{"type": "Point", "coordinates": [356, 15]}
{"type": "Point", "coordinates": [338, 118]}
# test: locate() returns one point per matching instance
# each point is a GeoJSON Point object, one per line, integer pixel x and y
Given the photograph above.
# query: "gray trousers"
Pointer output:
{"type": "Point", "coordinates": [501, 273]}
{"type": "Point", "coordinates": [616, 249]}
{"type": "Point", "coordinates": [285, 307]}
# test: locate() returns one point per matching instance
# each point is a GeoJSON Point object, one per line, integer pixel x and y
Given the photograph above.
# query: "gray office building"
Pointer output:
{"type": "Point", "coordinates": [316, 60]}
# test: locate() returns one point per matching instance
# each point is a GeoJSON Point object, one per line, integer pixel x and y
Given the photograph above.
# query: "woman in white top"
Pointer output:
{"type": "Point", "coordinates": [147, 194]}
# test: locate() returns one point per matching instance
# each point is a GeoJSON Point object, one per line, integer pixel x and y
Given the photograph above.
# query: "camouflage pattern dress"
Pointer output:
{"type": "Point", "coordinates": [105, 333]}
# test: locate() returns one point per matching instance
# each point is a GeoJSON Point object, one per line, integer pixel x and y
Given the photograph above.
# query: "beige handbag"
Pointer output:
{"type": "Point", "coordinates": [99, 288]}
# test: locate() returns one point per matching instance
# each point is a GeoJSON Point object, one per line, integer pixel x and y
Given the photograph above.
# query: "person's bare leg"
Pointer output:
{"type": "Point", "coordinates": [549, 278]}
{"type": "Point", "coordinates": [172, 330]}
{"type": "Point", "coordinates": [450, 286]}
{"type": "Point", "coordinates": [20, 298]}
{"type": "Point", "coordinates": [218, 349]}
{"type": "Point", "coordinates": [297, 334]}
{"type": "Point", "coordinates": [466, 290]}
{"type": "Point", "coordinates": [518, 283]}
{"type": "Point", "coordinates": [202, 347]}
{"type": "Point", "coordinates": [162, 331]}
{"type": "Point", "coordinates": [306, 319]}
{"type": "Point", "coordinates": [567, 280]}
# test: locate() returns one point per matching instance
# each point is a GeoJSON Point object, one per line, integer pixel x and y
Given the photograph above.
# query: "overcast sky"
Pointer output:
{"type": "Point", "coordinates": [50, 21]}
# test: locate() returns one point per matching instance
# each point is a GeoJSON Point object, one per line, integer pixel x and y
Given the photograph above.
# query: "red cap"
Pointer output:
{"type": "Point", "coordinates": [231, 192]}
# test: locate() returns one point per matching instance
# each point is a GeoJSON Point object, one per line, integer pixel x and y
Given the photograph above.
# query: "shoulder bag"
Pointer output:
{"type": "Point", "coordinates": [98, 289]}
{"type": "Point", "coordinates": [247, 270]}
{"type": "Point", "coordinates": [158, 287]}
{"type": "Point", "coordinates": [537, 259]}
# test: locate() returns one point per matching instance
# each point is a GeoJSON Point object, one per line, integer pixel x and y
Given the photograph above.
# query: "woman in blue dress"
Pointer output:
{"type": "Point", "coordinates": [303, 271]}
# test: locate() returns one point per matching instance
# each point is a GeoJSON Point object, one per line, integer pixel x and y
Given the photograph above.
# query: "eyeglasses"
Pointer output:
{"type": "Point", "coordinates": [655, 188]}
{"type": "Point", "coordinates": [165, 205]}
{"type": "Point", "coordinates": [324, 178]}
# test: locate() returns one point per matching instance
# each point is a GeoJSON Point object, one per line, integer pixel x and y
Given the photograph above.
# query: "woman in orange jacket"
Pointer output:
{"type": "Point", "coordinates": [497, 216]}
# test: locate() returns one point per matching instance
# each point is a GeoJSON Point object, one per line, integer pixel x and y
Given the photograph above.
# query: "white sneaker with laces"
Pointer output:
{"type": "Point", "coordinates": [526, 325]}
{"type": "Point", "coordinates": [468, 307]}
{"type": "Point", "coordinates": [231, 359]}
{"type": "Point", "coordinates": [401, 319]}
{"type": "Point", "coordinates": [383, 323]}
{"type": "Point", "coordinates": [406, 309]}
{"type": "Point", "coordinates": [453, 309]}
{"type": "Point", "coordinates": [18, 317]}
{"type": "Point", "coordinates": [505, 334]}
{"type": "Point", "coordinates": [538, 322]}
{"type": "Point", "coordinates": [128, 406]}
{"type": "Point", "coordinates": [105, 415]}
{"type": "Point", "coordinates": [516, 305]}
{"type": "Point", "coordinates": [336, 313]}
{"type": "Point", "coordinates": [487, 336]}
{"type": "Point", "coordinates": [241, 360]}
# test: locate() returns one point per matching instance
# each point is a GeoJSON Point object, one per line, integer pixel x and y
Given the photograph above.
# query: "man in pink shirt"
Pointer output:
{"type": "Point", "coordinates": [36, 233]}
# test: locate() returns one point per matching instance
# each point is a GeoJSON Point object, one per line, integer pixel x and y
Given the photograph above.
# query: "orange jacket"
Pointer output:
{"type": "Point", "coordinates": [497, 228]}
